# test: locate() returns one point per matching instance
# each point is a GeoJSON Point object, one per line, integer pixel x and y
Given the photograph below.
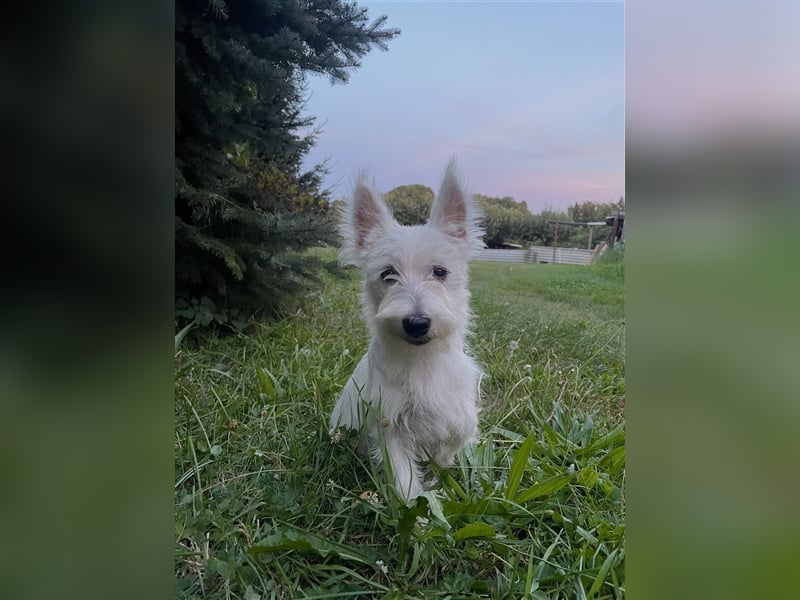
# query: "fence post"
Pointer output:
{"type": "Point", "coordinates": [555, 243]}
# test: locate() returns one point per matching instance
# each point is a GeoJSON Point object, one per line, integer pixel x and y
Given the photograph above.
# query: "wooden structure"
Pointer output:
{"type": "Point", "coordinates": [617, 224]}
{"type": "Point", "coordinates": [588, 224]}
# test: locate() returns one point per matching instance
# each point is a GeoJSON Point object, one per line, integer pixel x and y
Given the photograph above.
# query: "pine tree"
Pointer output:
{"type": "Point", "coordinates": [243, 208]}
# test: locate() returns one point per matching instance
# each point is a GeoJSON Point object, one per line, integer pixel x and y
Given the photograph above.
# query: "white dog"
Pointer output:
{"type": "Point", "coordinates": [416, 384]}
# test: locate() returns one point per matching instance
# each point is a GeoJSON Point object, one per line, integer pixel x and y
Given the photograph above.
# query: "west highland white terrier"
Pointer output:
{"type": "Point", "coordinates": [416, 388]}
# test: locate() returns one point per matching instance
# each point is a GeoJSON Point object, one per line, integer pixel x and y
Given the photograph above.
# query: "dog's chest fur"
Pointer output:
{"type": "Point", "coordinates": [431, 400]}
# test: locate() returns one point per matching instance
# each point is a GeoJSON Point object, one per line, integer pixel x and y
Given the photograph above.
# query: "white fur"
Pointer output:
{"type": "Point", "coordinates": [423, 396]}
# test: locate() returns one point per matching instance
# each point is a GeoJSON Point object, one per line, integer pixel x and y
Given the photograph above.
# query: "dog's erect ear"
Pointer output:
{"type": "Point", "coordinates": [455, 212]}
{"type": "Point", "coordinates": [364, 214]}
{"type": "Point", "coordinates": [369, 213]}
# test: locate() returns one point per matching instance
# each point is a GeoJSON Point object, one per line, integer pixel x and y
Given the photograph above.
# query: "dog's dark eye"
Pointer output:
{"type": "Point", "coordinates": [439, 272]}
{"type": "Point", "coordinates": [389, 275]}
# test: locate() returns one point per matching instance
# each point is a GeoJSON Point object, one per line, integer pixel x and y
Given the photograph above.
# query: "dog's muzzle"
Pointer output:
{"type": "Point", "coordinates": [417, 328]}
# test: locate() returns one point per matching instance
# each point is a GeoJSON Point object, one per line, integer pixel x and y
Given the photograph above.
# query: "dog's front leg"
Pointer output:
{"type": "Point", "coordinates": [403, 461]}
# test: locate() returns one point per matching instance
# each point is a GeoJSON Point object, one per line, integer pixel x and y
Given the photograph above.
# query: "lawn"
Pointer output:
{"type": "Point", "coordinates": [268, 506]}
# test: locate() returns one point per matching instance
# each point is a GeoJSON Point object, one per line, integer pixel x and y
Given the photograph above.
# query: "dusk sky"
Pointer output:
{"type": "Point", "coordinates": [528, 95]}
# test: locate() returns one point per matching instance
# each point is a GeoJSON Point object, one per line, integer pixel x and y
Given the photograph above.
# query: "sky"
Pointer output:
{"type": "Point", "coordinates": [697, 69]}
{"type": "Point", "coordinates": [529, 96]}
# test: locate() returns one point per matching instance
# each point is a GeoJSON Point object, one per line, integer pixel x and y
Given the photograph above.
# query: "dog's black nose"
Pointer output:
{"type": "Point", "coordinates": [416, 325]}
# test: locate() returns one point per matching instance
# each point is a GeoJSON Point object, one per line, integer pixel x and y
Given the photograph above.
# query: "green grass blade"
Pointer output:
{"type": "Point", "coordinates": [612, 438]}
{"type": "Point", "coordinates": [601, 574]}
{"type": "Point", "coordinates": [545, 488]}
{"type": "Point", "coordinates": [267, 383]}
{"type": "Point", "coordinates": [519, 464]}
{"type": "Point", "coordinates": [304, 541]}
{"type": "Point", "coordinates": [182, 334]}
{"type": "Point", "coordinates": [614, 461]}
{"type": "Point", "coordinates": [473, 530]}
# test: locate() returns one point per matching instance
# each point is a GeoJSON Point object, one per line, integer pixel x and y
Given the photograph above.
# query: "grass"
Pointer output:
{"type": "Point", "coordinates": [268, 506]}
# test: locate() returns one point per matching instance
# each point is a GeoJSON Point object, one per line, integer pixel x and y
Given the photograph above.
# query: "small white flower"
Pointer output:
{"type": "Point", "coordinates": [346, 352]}
{"type": "Point", "coordinates": [369, 496]}
{"type": "Point", "coordinates": [527, 367]}
{"type": "Point", "coordinates": [513, 345]}
{"type": "Point", "coordinates": [384, 569]}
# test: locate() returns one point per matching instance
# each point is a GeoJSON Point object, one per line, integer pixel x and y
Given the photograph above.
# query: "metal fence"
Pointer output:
{"type": "Point", "coordinates": [539, 254]}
